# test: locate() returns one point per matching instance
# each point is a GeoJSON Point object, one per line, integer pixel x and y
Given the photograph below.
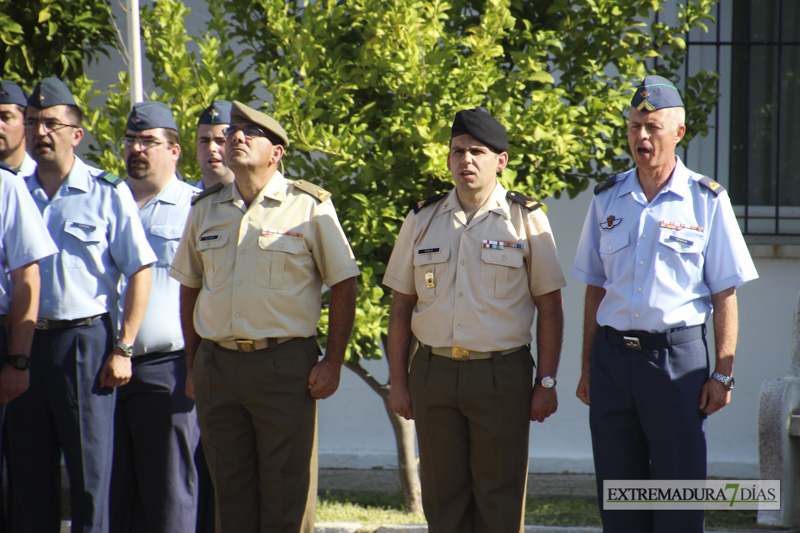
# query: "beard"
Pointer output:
{"type": "Point", "coordinates": [138, 168]}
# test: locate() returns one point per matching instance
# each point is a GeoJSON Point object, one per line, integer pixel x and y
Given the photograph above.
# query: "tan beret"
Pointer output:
{"type": "Point", "coordinates": [245, 113]}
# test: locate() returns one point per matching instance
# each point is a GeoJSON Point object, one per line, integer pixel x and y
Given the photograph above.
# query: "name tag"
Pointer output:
{"type": "Point", "coordinates": [86, 227]}
{"type": "Point", "coordinates": [209, 238]}
{"type": "Point", "coordinates": [429, 251]}
{"type": "Point", "coordinates": [681, 240]}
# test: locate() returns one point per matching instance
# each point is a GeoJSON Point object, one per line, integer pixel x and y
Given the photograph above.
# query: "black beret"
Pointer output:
{"type": "Point", "coordinates": [219, 112]}
{"type": "Point", "coordinates": [482, 126]}
{"type": "Point", "coordinates": [149, 115]}
{"type": "Point", "coordinates": [50, 92]}
{"type": "Point", "coordinates": [11, 93]}
{"type": "Point", "coordinates": [656, 93]}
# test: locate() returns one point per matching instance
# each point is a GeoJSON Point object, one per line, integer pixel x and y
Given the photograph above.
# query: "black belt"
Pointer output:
{"type": "Point", "coordinates": [47, 323]}
{"type": "Point", "coordinates": [643, 340]}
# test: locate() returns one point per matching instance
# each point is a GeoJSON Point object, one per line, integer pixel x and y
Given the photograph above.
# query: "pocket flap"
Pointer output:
{"type": "Point", "coordinates": [430, 255]}
{"type": "Point", "coordinates": [612, 243]}
{"type": "Point", "coordinates": [212, 240]}
{"type": "Point", "coordinates": [85, 231]}
{"type": "Point", "coordinates": [166, 231]}
{"type": "Point", "coordinates": [508, 257]}
{"type": "Point", "coordinates": [281, 243]}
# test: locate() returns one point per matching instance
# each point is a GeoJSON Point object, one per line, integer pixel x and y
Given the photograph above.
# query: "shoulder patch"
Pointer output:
{"type": "Point", "coordinates": [610, 182]}
{"type": "Point", "coordinates": [110, 178]}
{"type": "Point", "coordinates": [314, 190]}
{"type": "Point", "coordinates": [418, 206]}
{"type": "Point", "coordinates": [528, 203]}
{"type": "Point", "coordinates": [712, 185]}
{"type": "Point", "coordinates": [207, 192]}
{"type": "Point", "coordinates": [8, 168]}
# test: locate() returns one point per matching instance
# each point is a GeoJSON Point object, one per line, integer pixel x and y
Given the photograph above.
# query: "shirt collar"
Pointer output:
{"type": "Point", "coordinates": [677, 184]}
{"type": "Point", "coordinates": [496, 203]}
{"type": "Point", "coordinates": [169, 193]}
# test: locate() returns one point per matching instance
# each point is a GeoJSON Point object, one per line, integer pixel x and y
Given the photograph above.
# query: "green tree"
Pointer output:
{"type": "Point", "coordinates": [39, 38]}
{"type": "Point", "coordinates": [366, 90]}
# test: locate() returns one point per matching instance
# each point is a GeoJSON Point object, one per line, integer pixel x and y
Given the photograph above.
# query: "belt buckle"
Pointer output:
{"type": "Point", "coordinates": [632, 343]}
{"type": "Point", "coordinates": [41, 323]}
{"type": "Point", "coordinates": [246, 345]}
{"type": "Point", "coordinates": [460, 354]}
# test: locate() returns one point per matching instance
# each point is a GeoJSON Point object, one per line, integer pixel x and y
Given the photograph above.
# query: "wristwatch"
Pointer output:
{"type": "Point", "coordinates": [728, 381]}
{"type": "Point", "coordinates": [127, 349]}
{"type": "Point", "coordinates": [548, 382]}
{"type": "Point", "coordinates": [19, 361]}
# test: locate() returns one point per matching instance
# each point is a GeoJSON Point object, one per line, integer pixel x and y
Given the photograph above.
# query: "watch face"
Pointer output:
{"type": "Point", "coordinates": [20, 362]}
{"type": "Point", "coordinates": [548, 382]}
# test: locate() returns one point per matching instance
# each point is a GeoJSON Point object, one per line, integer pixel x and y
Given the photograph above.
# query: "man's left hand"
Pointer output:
{"type": "Point", "coordinates": [543, 403]}
{"type": "Point", "coordinates": [13, 382]}
{"type": "Point", "coordinates": [117, 370]}
{"type": "Point", "coordinates": [324, 379]}
{"type": "Point", "coordinates": [713, 397]}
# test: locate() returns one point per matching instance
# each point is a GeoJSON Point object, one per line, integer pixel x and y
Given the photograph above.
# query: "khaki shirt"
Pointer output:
{"type": "Point", "coordinates": [261, 270]}
{"type": "Point", "coordinates": [472, 293]}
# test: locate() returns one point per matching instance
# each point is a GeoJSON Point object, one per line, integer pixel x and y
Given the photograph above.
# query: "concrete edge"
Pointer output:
{"type": "Point", "coordinates": [353, 527]}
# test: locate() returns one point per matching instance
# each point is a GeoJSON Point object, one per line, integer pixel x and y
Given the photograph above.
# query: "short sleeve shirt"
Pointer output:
{"type": "Point", "coordinates": [475, 282]}
{"type": "Point", "coordinates": [23, 236]}
{"type": "Point", "coordinates": [260, 269]}
{"type": "Point", "coordinates": [99, 236]}
{"type": "Point", "coordinates": [660, 262]}
{"type": "Point", "coordinates": [164, 219]}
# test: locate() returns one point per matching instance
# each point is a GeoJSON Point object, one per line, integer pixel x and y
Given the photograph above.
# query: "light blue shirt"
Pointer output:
{"type": "Point", "coordinates": [28, 166]}
{"type": "Point", "coordinates": [163, 218]}
{"type": "Point", "coordinates": [661, 262]}
{"type": "Point", "coordinates": [23, 235]}
{"type": "Point", "coordinates": [99, 236]}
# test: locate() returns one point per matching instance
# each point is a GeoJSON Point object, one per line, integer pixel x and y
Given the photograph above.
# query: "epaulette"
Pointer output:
{"type": "Point", "coordinates": [317, 192]}
{"type": "Point", "coordinates": [417, 206]}
{"type": "Point", "coordinates": [9, 168]}
{"type": "Point", "coordinates": [111, 178]}
{"type": "Point", "coordinates": [528, 203]}
{"type": "Point", "coordinates": [610, 182]}
{"type": "Point", "coordinates": [715, 187]}
{"type": "Point", "coordinates": [207, 192]}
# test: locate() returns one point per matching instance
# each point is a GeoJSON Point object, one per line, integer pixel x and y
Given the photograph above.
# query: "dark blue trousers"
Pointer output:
{"type": "Point", "coordinates": [646, 425]}
{"type": "Point", "coordinates": [66, 410]}
{"type": "Point", "coordinates": [154, 480]}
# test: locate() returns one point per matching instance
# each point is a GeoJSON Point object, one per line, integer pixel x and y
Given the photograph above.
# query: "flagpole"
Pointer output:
{"type": "Point", "coordinates": [135, 47]}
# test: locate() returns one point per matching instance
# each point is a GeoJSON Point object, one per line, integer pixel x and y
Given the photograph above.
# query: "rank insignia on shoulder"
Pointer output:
{"type": "Point", "coordinates": [207, 192]}
{"type": "Point", "coordinates": [418, 206]}
{"type": "Point", "coordinates": [610, 222]}
{"type": "Point", "coordinates": [110, 178]}
{"type": "Point", "coordinates": [708, 183]}
{"type": "Point", "coordinates": [317, 192]}
{"type": "Point", "coordinates": [528, 203]}
{"type": "Point", "coordinates": [607, 184]}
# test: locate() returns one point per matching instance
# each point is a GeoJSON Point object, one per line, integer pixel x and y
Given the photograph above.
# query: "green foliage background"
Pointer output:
{"type": "Point", "coordinates": [366, 90]}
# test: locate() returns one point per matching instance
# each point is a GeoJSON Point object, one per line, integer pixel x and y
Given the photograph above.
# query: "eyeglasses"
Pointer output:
{"type": "Point", "coordinates": [143, 142]}
{"type": "Point", "coordinates": [249, 131]}
{"type": "Point", "coordinates": [48, 125]}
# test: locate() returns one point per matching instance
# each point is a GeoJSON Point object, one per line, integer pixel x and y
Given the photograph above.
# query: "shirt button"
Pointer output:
{"type": "Point", "coordinates": [238, 282]}
{"type": "Point", "coordinates": [504, 258]}
{"type": "Point", "coordinates": [280, 245]}
{"type": "Point", "coordinates": [466, 231]}
{"type": "Point", "coordinates": [463, 262]}
{"type": "Point", "coordinates": [236, 315]}
{"type": "Point", "coordinates": [641, 262]}
{"type": "Point", "coordinates": [430, 257]}
{"type": "Point", "coordinates": [636, 315]}
{"type": "Point", "coordinates": [460, 294]}
{"type": "Point", "coordinates": [648, 209]}
{"type": "Point", "coordinates": [243, 251]}
{"type": "Point", "coordinates": [639, 289]}
{"type": "Point", "coordinates": [610, 247]}
{"type": "Point", "coordinates": [458, 326]}
{"type": "Point", "coordinates": [644, 235]}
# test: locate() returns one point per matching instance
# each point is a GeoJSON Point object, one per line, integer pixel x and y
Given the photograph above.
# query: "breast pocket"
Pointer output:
{"type": "Point", "coordinates": [430, 269]}
{"type": "Point", "coordinates": [681, 253]}
{"type": "Point", "coordinates": [283, 262]}
{"type": "Point", "coordinates": [86, 245]}
{"type": "Point", "coordinates": [501, 272]}
{"type": "Point", "coordinates": [164, 241]}
{"type": "Point", "coordinates": [213, 249]}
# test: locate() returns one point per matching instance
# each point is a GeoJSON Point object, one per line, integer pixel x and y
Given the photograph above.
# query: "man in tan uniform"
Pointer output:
{"type": "Point", "coordinates": [469, 270]}
{"type": "Point", "coordinates": [252, 263]}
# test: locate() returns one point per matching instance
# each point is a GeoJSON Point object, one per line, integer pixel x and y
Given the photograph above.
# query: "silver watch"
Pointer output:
{"type": "Point", "coordinates": [728, 381]}
{"type": "Point", "coordinates": [127, 349]}
{"type": "Point", "coordinates": [548, 382]}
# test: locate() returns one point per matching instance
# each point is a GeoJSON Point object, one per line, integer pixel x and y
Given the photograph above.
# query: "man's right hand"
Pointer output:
{"type": "Point", "coordinates": [583, 389]}
{"type": "Point", "coordinates": [400, 401]}
{"type": "Point", "coordinates": [13, 382]}
{"type": "Point", "coordinates": [189, 391]}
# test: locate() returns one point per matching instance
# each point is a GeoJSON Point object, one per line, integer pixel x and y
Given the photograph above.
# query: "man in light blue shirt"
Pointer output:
{"type": "Point", "coordinates": [154, 481]}
{"type": "Point", "coordinates": [76, 361]}
{"type": "Point", "coordinates": [660, 249]}
{"type": "Point", "coordinates": [13, 156]}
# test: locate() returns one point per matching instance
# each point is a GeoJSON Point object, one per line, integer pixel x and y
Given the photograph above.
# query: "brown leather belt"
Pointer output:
{"type": "Point", "coordinates": [47, 323]}
{"type": "Point", "coordinates": [462, 354]}
{"type": "Point", "coordinates": [247, 345]}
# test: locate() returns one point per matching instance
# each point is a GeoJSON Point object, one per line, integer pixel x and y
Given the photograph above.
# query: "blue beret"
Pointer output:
{"type": "Point", "coordinates": [50, 92]}
{"type": "Point", "coordinates": [656, 93]}
{"type": "Point", "coordinates": [149, 115]}
{"type": "Point", "coordinates": [219, 112]}
{"type": "Point", "coordinates": [10, 93]}
{"type": "Point", "coordinates": [482, 126]}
